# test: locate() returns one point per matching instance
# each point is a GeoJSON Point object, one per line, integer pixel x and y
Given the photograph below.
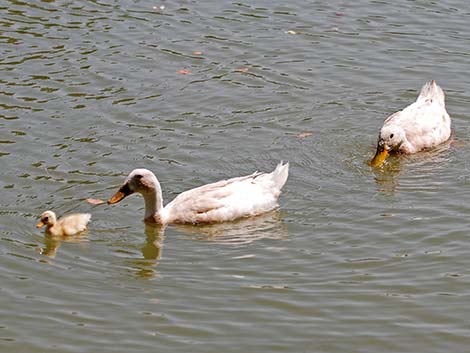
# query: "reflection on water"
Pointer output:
{"type": "Point", "coordinates": [244, 231]}
{"type": "Point", "coordinates": [386, 176]}
{"type": "Point", "coordinates": [151, 252]}
{"type": "Point", "coordinates": [152, 249]}
{"type": "Point", "coordinates": [421, 164]}
{"type": "Point", "coordinates": [52, 243]}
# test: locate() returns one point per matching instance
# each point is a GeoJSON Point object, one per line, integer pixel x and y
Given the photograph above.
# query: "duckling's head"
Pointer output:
{"type": "Point", "coordinates": [140, 180]}
{"type": "Point", "coordinates": [390, 138]}
{"type": "Point", "coordinates": [48, 218]}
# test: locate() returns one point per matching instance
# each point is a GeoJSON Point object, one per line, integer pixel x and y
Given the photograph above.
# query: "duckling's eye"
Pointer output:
{"type": "Point", "coordinates": [45, 219]}
{"type": "Point", "coordinates": [391, 135]}
{"type": "Point", "coordinates": [139, 176]}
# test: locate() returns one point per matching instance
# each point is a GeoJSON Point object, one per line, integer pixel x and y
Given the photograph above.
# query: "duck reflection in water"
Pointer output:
{"type": "Point", "coordinates": [53, 242]}
{"type": "Point", "coordinates": [421, 165]}
{"type": "Point", "coordinates": [243, 231]}
{"type": "Point", "coordinates": [386, 177]}
{"type": "Point", "coordinates": [151, 250]}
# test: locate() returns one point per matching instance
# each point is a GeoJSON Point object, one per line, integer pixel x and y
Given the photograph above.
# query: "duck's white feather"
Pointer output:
{"type": "Point", "coordinates": [225, 200]}
{"type": "Point", "coordinates": [230, 199]}
{"type": "Point", "coordinates": [425, 122]}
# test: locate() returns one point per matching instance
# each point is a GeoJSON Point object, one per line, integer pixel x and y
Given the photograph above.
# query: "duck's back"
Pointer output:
{"type": "Point", "coordinates": [230, 199]}
{"type": "Point", "coordinates": [74, 223]}
{"type": "Point", "coordinates": [426, 122]}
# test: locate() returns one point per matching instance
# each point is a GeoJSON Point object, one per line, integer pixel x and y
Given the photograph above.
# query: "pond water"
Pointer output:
{"type": "Point", "coordinates": [355, 259]}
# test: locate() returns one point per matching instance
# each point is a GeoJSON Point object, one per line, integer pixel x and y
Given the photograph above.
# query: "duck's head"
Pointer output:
{"type": "Point", "coordinates": [390, 139]}
{"type": "Point", "coordinates": [141, 180]}
{"type": "Point", "coordinates": [48, 218]}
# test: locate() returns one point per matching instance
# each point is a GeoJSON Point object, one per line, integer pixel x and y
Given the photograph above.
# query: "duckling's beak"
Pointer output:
{"type": "Point", "coordinates": [123, 191]}
{"type": "Point", "coordinates": [380, 155]}
{"type": "Point", "coordinates": [40, 224]}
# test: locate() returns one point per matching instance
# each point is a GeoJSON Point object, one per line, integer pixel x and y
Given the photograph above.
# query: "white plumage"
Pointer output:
{"type": "Point", "coordinates": [225, 200]}
{"type": "Point", "coordinates": [423, 124]}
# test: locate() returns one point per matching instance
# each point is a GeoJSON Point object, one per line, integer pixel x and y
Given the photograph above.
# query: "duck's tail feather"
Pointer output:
{"type": "Point", "coordinates": [280, 174]}
{"type": "Point", "coordinates": [432, 91]}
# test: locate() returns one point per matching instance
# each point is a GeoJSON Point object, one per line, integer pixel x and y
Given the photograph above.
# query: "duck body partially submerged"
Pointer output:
{"type": "Point", "coordinates": [222, 201]}
{"type": "Point", "coordinates": [422, 125]}
{"type": "Point", "coordinates": [66, 226]}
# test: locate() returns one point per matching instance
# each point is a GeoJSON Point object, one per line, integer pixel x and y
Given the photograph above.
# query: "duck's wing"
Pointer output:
{"type": "Point", "coordinates": [74, 223]}
{"type": "Point", "coordinates": [425, 123]}
{"type": "Point", "coordinates": [426, 112]}
{"type": "Point", "coordinates": [230, 199]}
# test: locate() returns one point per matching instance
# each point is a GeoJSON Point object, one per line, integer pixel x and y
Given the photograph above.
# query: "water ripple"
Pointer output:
{"type": "Point", "coordinates": [355, 259]}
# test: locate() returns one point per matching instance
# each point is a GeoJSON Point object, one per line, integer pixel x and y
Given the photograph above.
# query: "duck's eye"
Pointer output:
{"type": "Point", "coordinates": [391, 135]}
{"type": "Point", "coordinates": [45, 219]}
{"type": "Point", "coordinates": [138, 176]}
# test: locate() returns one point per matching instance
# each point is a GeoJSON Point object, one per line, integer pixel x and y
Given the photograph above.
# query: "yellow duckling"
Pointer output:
{"type": "Point", "coordinates": [421, 125]}
{"type": "Point", "coordinates": [225, 200]}
{"type": "Point", "coordinates": [66, 226]}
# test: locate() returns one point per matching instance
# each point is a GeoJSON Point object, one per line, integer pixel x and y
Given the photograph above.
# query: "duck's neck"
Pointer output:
{"type": "Point", "coordinates": [53, 229]}
{"type": "Point", "coordinates": [154, 205]}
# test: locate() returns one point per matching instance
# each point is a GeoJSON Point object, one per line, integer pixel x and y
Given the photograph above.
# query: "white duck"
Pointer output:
{"type": "Point", "coordinates": [421, 125]}
{"type": "Point", "coordinates": [66, 226]}
{"type": "Point", "coordinates": [225, 200]}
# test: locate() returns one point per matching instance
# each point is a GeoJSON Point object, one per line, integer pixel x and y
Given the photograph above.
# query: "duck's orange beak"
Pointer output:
{"type": "Point", "coordinates": [380, 155]}
{"type": "Point", "coordinates": [40, 224]}
{"type": "Point", "coordinates": [120, 194]}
